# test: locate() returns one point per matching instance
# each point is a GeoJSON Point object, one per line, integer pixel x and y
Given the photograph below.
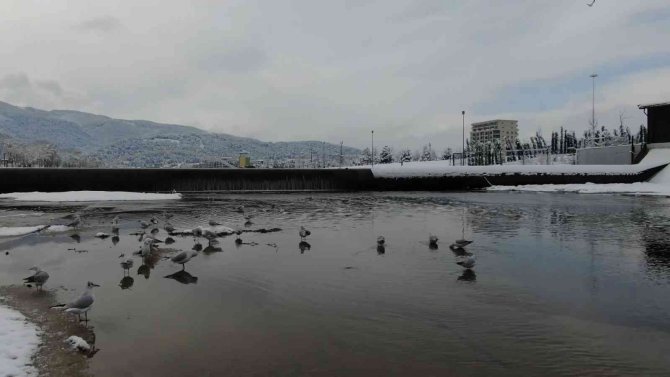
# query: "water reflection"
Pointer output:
{"type": "Point", "coordinates": [126, 282]}
{"type": "Point", "coordinates": [211, 249]}
{"type": "Point", "coordinates": [115, 240]}
{"type": "Point", "coordinates": [144, 270]}
{"type": "Point", "coordinates": [304, 246]}
{"type": "Point", "coordinates": [183, 277]}
{"type": "Point", "coordinates": [468, 275]}
{"type": "Point", "coordinates": [381, 249]}
{"type": "Point", "coordinates": [76, 237]}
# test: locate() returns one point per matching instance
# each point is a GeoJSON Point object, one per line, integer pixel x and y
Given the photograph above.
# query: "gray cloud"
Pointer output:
{"type": "Point", "coordinates": [99, 24]}
{"type": "Point", "coordinates": [334, 70]}
{"type": "Point", "coordinates": [20, 89]}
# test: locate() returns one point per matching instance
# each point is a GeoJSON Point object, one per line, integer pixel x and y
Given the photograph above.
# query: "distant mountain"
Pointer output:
{"type": "Point", "coordinates": [140, 143]}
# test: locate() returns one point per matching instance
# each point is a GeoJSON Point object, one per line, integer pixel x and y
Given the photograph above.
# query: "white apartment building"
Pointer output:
{"type": "Point", "coordinates": [498, 129]}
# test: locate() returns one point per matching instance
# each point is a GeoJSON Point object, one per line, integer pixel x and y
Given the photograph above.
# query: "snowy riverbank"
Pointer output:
{"type": "Point", "coordinates": [19, 340]}
{"type": "Point", "coordinates": [639, 188]}
{"type": "Point", "coordinates": [87, 196]}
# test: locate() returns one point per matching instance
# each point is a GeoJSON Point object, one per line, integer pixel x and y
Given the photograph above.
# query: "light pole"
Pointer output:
{"type": "Point", "coordinates": [593, 108]}
{"type": "Point", "coordinates": [372, 151]}
{"type": "Point", "coordinates": [463, 146]}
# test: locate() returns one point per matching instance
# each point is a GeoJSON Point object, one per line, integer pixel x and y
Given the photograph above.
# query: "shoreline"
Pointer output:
{"type": "Point", "coordinates": [52, 355]}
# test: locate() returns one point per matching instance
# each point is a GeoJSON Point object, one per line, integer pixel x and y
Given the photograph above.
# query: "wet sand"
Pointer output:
{"type": "Point", "coordinates": [54, 358]}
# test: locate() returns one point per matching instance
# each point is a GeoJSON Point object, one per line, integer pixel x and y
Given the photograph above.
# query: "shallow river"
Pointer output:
{"type": "Point", "coordinates": [564, 284]}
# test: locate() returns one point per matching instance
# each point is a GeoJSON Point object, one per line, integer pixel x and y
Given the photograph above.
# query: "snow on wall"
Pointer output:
{"type": "Point", "coordinates": [445, 169]}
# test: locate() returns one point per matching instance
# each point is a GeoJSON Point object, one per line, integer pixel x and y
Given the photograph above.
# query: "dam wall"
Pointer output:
{"type": "Point", "coordinates": [198, 180]}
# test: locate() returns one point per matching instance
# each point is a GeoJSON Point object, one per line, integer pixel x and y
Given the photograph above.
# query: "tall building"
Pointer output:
{"type": "Point", "coordinates": [491, 130]}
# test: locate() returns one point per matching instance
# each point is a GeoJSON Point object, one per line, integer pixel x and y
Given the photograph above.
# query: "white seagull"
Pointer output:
{"type": "Point", "coordinates": [183, 257]}
{"type": "Point", "coordinates": [81, 305]}
{"type": "Point", "coordinates": [304, 233]}
{"type": "Point", "coordinates": [39, 277]}
{"type": "Point", "coordinates": [468, 262]}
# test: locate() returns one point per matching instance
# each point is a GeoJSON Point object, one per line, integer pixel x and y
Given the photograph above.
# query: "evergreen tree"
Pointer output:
{"type": "Point", "coordinates": [386, 156]}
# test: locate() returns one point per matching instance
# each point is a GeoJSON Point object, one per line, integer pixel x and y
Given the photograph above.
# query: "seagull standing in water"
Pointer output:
{"type": "Point", "coordinates": [147, 246]}
{"type": "Point", "coordinates": [381, 240]}
{"type": "Point", "coordinates": [468, 262]}
{"type": "Point", "coordinates": [432, 240]}
{"type": "Point", "coordinates": [304, 233]}
{"type": "Point", "coordinates": [183, 257]}
{"type": "Point", "coordinates": [39, 277]}
{"type": "Point", "coordinates": [462, 243]}
{"type": "Point", "coordinates": [81, 305]}
{"type": "Point", "coordinates": [76, 222]}
{"type": "Point", "coordinates": [115, 224]}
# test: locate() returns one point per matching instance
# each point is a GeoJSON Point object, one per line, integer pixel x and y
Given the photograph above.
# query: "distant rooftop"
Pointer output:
{"type": "Point", "coordinates": [645, 106]}
{"type": "Point", "coordinates": [494, 120]}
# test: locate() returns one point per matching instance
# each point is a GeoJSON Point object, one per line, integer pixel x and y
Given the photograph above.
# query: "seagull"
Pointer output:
{"type": "Point", "coordinates": [154, 220]}
{"type": "Point", "coordinates": [147, 246]}
{"type": "Point", "coordinates": [210, 236]}
{"type": "Point", "coordinates": [39, 277]}
{"type": "Point", "coordinates": [592, 2]}
{"type": "Point", "coordinates": [468, 262]}
{"type": "Point", "coordinates": [81, 305]}
{"type": "Point", "coordinates": [459, 244]}
{"type": "Point", "coordinates": [102, 235]}
{"type": "Point", "coordinates": [143, 224]}
{"type": "Point", "coordinates": [432, 240]}
{"type": "Point", "coordinates": [304, 233]}
{"type": "Point", "coordinates": [183, 257]}
{"type": "Point", "coordinates": [76, 222]}
{"type": "Point", "coordinates": [380, 240]}
{"type": "Point", "coordinates": [115, 223]}
{"type": "Point", "coordinates": [168, 228]}
{"type": "Point", "coordinates": [127, 264]}
{"type": "Point", "coordinates": [214, 223]}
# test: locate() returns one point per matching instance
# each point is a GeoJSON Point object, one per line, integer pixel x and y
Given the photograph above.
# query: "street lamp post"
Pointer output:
{"type": "Point", "coordinates": [463, 146]}
{"type": "Point", "coordinates": [372, 151]}
{"type": "Point", "coordinates": [593, 109]}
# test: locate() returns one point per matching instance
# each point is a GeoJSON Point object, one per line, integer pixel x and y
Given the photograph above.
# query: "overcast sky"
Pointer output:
{"type": "Point", "coordinates": [334, 70]}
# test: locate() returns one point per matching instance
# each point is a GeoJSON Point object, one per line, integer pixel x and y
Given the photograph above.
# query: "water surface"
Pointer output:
{"type": "Point", "coordinates": [564, 284]}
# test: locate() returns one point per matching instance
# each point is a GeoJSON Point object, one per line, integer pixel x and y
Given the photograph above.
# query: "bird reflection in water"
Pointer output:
{"type": "Point", "coordinates": [126, 282]}
{"type": "Point", "coordinates": [197, 247]}
{"type": "Point", "coordinates": [75, 237]}
{"type": "Point", "coordinates": [304, 245]}
{"type": "Point", "coordinates": [211, 249]}
{"type": "Point", "coordinates": [183, 277]}
{"type": "Point", "coordinates": [169, 241]}
{"type": "Point", "coordinates": [468, 275]}
{"type": "Point", "coordinates": [459, 251]}
{"type": "Point", "coordinates": [144, 270]}
{"type": "Point", "coordinates": [115, 240]}
{"type": "Point", "coordinates": [381, 249]}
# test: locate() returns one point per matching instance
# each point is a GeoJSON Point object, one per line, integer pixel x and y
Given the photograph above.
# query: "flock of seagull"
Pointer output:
{"type": "Point", "coordinates": [150, 245]}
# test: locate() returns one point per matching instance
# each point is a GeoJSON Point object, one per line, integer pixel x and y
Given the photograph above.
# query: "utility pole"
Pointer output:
{"type": "Point", "coordinates": [463, 146]}
{"type": "Point", "coordinates": [341, 157]}
{"type": "Point", "coordinates": [372, 151]}
{"type": "Point", "coordinates": [593, 109]}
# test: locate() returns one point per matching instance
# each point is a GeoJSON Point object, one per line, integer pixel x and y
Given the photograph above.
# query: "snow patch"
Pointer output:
{"type": "Point", "coordinates": [87, 196]}
{"type": "Point", "coordinates": [12, 231]}
{"type": "Point", "coordinates": [19, 339]}
{"type": "Point", "coordinates": [638, 188]}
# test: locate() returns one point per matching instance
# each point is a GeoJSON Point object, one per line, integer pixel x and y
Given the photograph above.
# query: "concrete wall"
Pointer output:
{"type": "Point", "coordinates": [613, 155]}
